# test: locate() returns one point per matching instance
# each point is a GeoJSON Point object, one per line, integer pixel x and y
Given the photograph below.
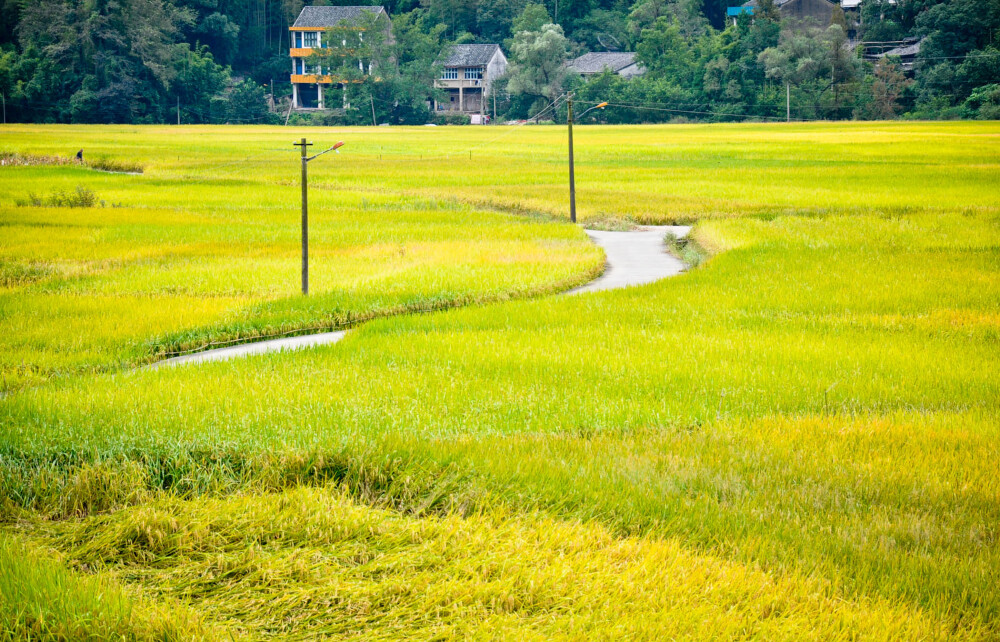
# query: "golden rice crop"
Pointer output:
{"type": "Point", "coordinates": [796, 439]}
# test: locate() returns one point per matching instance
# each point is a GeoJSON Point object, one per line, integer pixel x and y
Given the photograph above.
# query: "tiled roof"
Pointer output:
{"type": "Point", "coordinates": [323, 17]}
{"type": "Point", "coordinates": [597, 61]}
{"type": "Point", "coordinates": [468, 55]}
{"type": "Point", "coordinates": [903, 52]}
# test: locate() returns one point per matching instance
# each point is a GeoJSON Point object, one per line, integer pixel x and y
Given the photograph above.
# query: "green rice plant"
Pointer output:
{"type": "Point", "coordinates": [708, 412]}
{"type": "Point", "coordinates": [813, 408]}
{"type": "Point", "coordinates": [143, 284]}
{"type": "Point", "coordinates": [115, 166]}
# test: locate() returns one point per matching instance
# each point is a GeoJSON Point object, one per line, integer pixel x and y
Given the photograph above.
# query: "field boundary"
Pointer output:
{"type": "Point", "coordinates": [632, 263]}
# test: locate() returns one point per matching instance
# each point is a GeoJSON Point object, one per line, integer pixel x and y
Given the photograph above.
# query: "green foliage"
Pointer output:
{"type": "Point", "coordinates": [79, 197]}
{"type": "Point", "coordinates": [199, 79]}
{"type": "Point", "coordinates": [452, 119]}
{"type": "Point", "coordinates": [246, 103]}
{"type": "Point", "coordinates": [537, 70]}
{"type": "Point", "coordinates": [666, 53]}
{"type": "Point", "coordinates": [984, 103]}
{"type": "Point", "coordinates": [219, 33]}
{"type": "Point", "coordinates": [73, 65]}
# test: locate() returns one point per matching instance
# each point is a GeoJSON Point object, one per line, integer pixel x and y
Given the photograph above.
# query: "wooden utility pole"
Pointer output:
{"type": "Point", "coordinates": [374, 122]}
{"type": "Point", "coordinates": [788, 102]}
{"type": "Point", "coordinates": [572, 178]}
{"type": "Point", "coordinates": [304, 145]}
{"type": "Point", "coordinates": [305, 215]}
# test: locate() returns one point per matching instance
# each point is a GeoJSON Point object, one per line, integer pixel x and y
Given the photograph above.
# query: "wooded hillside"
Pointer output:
{"type": "Point", "coordinates": [216, 61]}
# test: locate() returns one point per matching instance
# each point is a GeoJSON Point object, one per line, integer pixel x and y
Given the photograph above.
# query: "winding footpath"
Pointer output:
{"type": "Point", "coordinates": [633, 258]}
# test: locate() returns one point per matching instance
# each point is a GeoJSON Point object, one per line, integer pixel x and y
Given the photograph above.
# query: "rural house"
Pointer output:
{"type": "Point", "coordinates": [620, 62]}
{"type": "Point", "coordinates": [310, 33]}
{"type": "Point", "coordinates": [467, 75]}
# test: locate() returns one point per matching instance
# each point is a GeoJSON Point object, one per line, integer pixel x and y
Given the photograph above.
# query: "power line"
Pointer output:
{"type": "Point", "coordinates": [702, 113]}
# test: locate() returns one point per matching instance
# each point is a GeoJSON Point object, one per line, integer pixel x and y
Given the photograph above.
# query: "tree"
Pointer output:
{"type": "Point", "coordinates": [644, 15]}
{"type": "Point", "coordinates": [495, 19]}
{"type": "Point", "coordinates": [537, 66]}
{"type": "Point", "coordinates": [247, 103]}
{"type": "Point", "coordinates": [532, 18]}
{"type": "Point", "coordinates": [815, 64]}
{"type": "Point", "coordinates": [106, 60]}
{"type": "Point", "coordinates": [197, 81]}
{"type": "Point", "coordinates": [221, 34]}
{"type": "Point", "coordinates": [665, 53]}
{"type": "Point", "coordinates": [984, 103]}
{"type": "Point", "coordinates": [887, 87]}
{"type": "Point", "coordinates": [956, 51]}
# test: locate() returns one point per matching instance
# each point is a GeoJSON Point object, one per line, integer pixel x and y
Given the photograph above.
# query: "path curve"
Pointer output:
{"type": "Point", "coordinates": [633, 258]}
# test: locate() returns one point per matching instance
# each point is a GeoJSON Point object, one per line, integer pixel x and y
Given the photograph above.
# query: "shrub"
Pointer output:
{"type": "Point", "coordinates": [80, 197]}
{"type": "Point", "coordinates": [452, 119]}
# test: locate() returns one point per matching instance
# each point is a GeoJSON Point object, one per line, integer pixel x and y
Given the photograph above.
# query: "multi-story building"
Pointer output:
{"type": "Point", "coordinates": [310, 33]}
{"type": "Point", "coordinates": [468, 73]}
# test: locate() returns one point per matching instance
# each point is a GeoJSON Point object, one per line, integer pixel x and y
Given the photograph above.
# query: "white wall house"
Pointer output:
{"type": "Point", "coordinates": [309, 83]}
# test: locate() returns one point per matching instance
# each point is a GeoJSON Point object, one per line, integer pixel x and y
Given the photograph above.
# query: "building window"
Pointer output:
{"type": "Point", "coordinates": [449, 74]}
{"type": "Point", "coordinates": [474, 73]}
{"type": "Point", "coordinates": [310, 39]}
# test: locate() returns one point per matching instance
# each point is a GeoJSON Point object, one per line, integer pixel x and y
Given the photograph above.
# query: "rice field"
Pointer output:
{"type": "Point", "coordinates": [796, 439]}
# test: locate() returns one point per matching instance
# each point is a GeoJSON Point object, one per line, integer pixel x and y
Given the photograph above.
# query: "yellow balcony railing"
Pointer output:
{"type": "Point", "coordinates": [311, 78]}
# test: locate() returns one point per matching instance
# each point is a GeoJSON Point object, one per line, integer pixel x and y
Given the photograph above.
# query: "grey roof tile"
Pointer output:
{"type": "Point", "coordinates": [597, 61]}
{"type": "Point", "coordinates": [467, 55]}
{"type": "Point", "coordinates": [323, 17]}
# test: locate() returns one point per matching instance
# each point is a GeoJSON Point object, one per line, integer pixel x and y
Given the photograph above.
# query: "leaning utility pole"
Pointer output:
{"type": "Point", "coordinates": [305, 207]}
{"type": "Point", "coordinates": [572, 178]}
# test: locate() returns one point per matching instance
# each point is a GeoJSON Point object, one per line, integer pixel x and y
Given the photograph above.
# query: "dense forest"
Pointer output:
{"type": "Point", "coordinates": [217, 61]}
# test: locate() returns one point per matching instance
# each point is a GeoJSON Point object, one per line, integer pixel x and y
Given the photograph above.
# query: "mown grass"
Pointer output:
{"type": "Point", "coordinates": [812, 413]}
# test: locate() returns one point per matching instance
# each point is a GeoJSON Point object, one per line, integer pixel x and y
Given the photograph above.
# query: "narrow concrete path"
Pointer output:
{"type": "Point", "coordinates": [633, 258]}
{"type": "Point", "coordinates": [247, 349]}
